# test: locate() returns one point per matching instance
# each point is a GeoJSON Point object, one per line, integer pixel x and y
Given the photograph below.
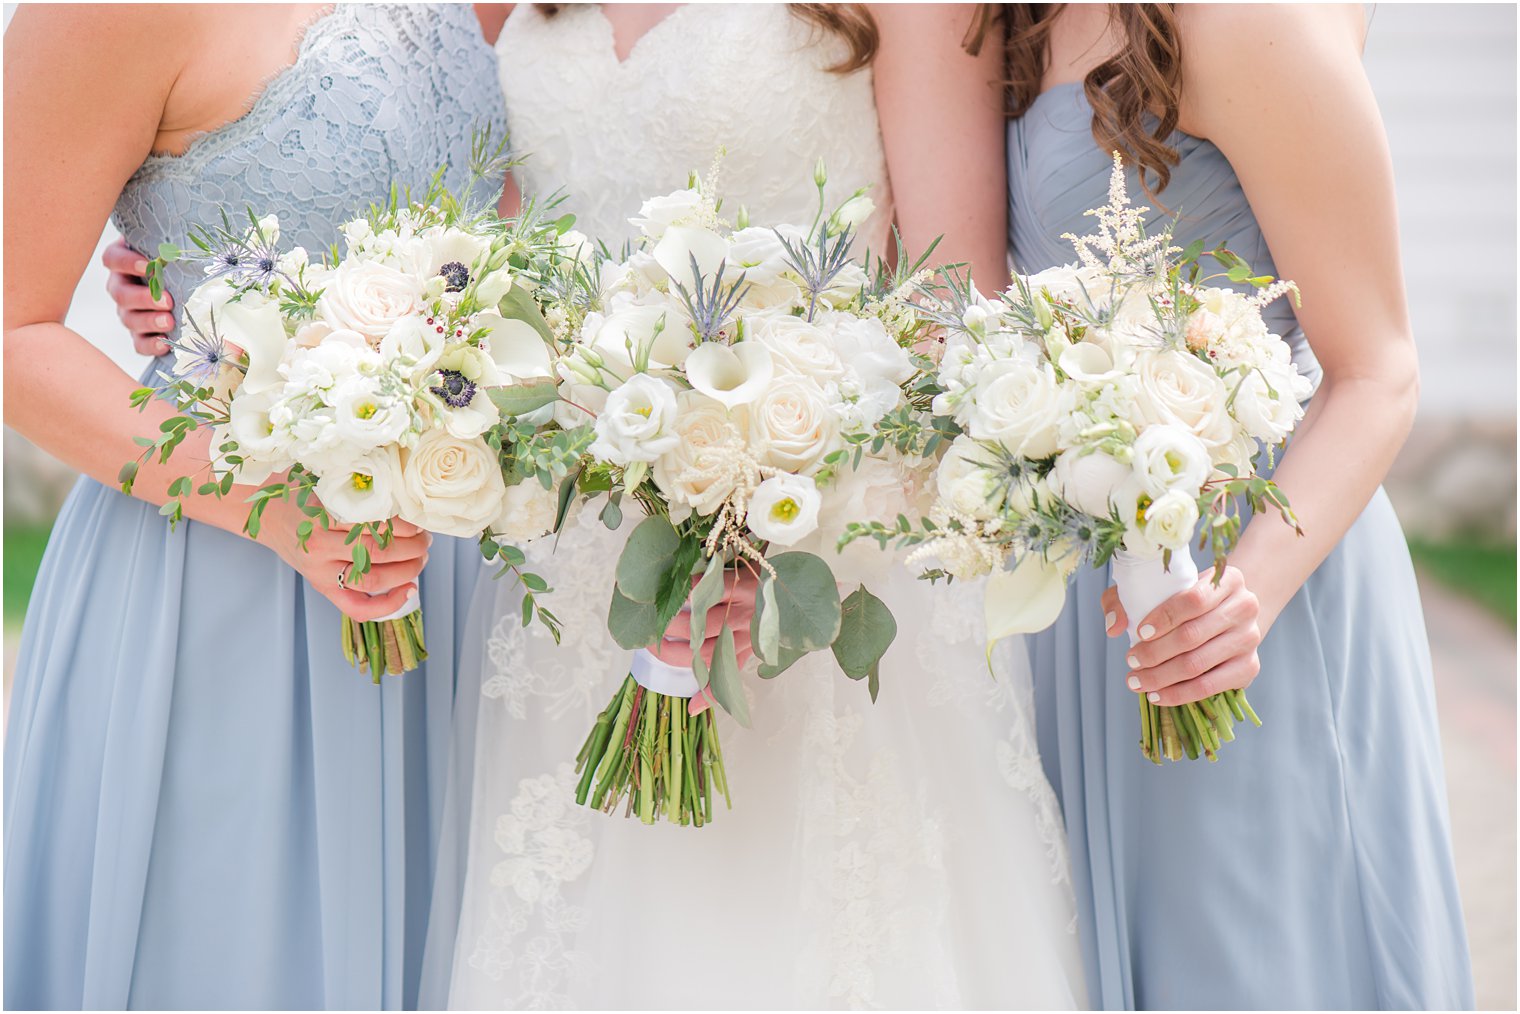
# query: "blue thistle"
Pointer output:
{"type": "Point", "coordinates": [202, 354]}
{"type": "Point", "coordinates": [817, 267]}
{"type": "Point", "coordinates": [711, 309]}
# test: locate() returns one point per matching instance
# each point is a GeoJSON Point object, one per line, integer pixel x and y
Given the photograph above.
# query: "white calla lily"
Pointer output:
{"type": "Point", "coordinates": [1089, 363]}
{"type": "Point", "coordinates": [1025, 599]}
{"type": "Point", "coordinates": [254, 325]}
{"type": "Point", "coordinates": [681, 243]}
{"type": "Point", "coordinates": [732, 375]}
{"type": "Point", "coordinates": [515, 346]}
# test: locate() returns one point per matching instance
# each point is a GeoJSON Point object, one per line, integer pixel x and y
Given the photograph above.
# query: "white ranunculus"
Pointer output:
{"type": "Point", "coordinates": [314, 371]}
{"type": "Point", "coordinates": [638, 422]}
{"type": "Point", "coordinates": [363, 417]}
{"type": "Point", "coordinates": [253, 324]}
{"type": "Point", "coordinates": [527, 513]}
{"type": "Point", "coordinates": [1176, 387]}
{"type": "Point", "coordinates": [867, 351]}
{"type": "Point", "coordinates": [450, 486]}
{"type": "Point", "coordinates": [369, 297]}
{"type": "Point", "coordinates": [800, 349]}
{"type": "Point", "coordinates": [968, 480]}
{"type": "Point", "coordinates": [363, 490]}
{"type": "Point", "coordinates": [793, 426]}
{"type": "Point", "coordinates": [730, 374]}
{"type": "Point", "coordinates": [1019, 405]}
{"type": "Point", "coordinates": [1088, 481]}
{"type": "Point", "coordinates": [659, 213]}
{"type": "Point", "coordinates": [697, 474]}
{"type": "Point", "coordinates": [515, 346]}
{"type": "Point", "coordinates": [1168, 457]}
{"type": "Point", "coordinates": [1168, 523]}
{"type": "Point", "coordinates": [784, 509]}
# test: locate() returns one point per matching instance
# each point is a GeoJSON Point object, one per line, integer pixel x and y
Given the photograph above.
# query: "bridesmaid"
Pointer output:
{"type": "Point", "coordinates": [1311, 866]}
{"type": "Point", "coordinates": [205, 806]}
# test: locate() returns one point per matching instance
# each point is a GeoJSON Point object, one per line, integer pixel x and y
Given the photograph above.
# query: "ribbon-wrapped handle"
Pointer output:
{"type": "Point", "coordinates": [1144, 583]}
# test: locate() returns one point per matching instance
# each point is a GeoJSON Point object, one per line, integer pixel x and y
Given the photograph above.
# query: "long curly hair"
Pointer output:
{"type": "Point", "coordinates": [1142, 80]}
{"type": "Point", "coordinates": [851, 22]}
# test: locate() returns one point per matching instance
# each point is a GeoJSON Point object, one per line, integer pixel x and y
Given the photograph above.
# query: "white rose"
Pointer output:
{"type": "Point", "coordinates": [1267, 402]}
{"type": "Point", "coordinates": [1068, 283]}
{"type": "Point", "coordinates": [793, 426]}
{"type": "Point", "coordinates": [527, 512]}
{"type": "Point", "coordinates": [784, 509]}
{"type": "Point", "coordinates": [450, 486]}
{"type": "Point", "coordinates": [800, 349]}
{"type": "Point", "coordinates": [697, 474]}
{"type": "Point", "coordinates": [369, 298]}
{"type": "Point", "coordinates": [1168, 523]}
{"type": "Point", "coordinates": [638, 422]}
{"type": "Point", "coordinates": [1170, 458]}
{"type": "Point", "coordinates": [1019, 405]}
{"type": "Point", "coordinates": [1089, 481]}
{"type": "Point", "coordinates": [1177, 387]}
{"type": "Point", "coordinates": [363, 490]}
{"type": "Point", "coordinates": [866, 349]}
{"type": "Point", "coordinates": [659, 213]}
{"type": "Point", "coordinates": [363, 417]}
{"type": "Point", "coordinates": [969, 482]}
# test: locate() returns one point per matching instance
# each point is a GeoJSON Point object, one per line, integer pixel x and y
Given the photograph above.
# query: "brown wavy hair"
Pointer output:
{"type": "Point", "coordinates": [1143, 79]}
{"type": "Point", "coordinates": [851, 22]}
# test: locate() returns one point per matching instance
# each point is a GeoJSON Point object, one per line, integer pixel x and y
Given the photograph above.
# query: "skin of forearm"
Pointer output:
{"type": "Point", "coordinates": [1340, 454]}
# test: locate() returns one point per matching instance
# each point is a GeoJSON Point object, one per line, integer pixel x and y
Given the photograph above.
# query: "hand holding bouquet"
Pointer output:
{"type": "Point", "coordinates": [359, 387]}
{"type": "Point", "coordinates": [1104, 410]}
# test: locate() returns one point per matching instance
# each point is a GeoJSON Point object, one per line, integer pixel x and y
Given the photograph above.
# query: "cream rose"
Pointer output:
{"type": "Point", "coordinates": [1088, 481]}
{"type": "Point", "coordinates": [1177, 387]}
{"type": "Point", "coordinates": [527, 512]}
{"type": "Point", "coordinates": [1019, 405]}
{"type": "Point", "coordinates": [369, 298]}
{"type": "Point", "coordinates": [450, 486]}
{"type": "Point", "coordinates": [793, 426]}
{"type": "Point", "coordinates": [968, 482]}
{"type": "Point", "coordinates": [659, 213]}
{"type": "Point", "coordinates": [697, 474]}
{"type": "Point", "coordinates": [800, 349]}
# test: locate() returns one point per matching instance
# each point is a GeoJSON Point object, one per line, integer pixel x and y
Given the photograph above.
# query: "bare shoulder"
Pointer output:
{"type": "Point", "coordinates": [83, 44]}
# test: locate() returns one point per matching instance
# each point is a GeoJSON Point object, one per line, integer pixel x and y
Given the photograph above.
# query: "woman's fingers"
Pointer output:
{"type": "Point", "coordinates": [147, 319]}
{"type": "Point", "coordinates": [362, 607]}
{"type": "Point", "coordinates": [1232, 642]}
{"type": "Point", "coordinates": [122, 259]}
{"type": "Point", "coordinates": [382, 577]}
{"type": "Point", "coordinates": [332, 543]}
{"type": "Point", "coordinates": [1237, 611]}
{"type": "Point", "coordinates": [1114, 619]}
{"type": "Point", "coordinates": [1236, 674]}
{"type": "Point", "coordinates": [1185, 605]}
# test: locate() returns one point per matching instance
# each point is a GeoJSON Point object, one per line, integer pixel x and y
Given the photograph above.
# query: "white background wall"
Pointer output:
{"type": "Point", "coordinates": [1444, 75]}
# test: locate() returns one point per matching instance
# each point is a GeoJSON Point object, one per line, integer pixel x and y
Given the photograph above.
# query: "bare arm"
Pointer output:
{"type": "Point", "coordinates": [78, 122]}
{"type": "Point", "coordinates": [943, 129]}
{"type": "Point", "coordinates": [1282, 92]}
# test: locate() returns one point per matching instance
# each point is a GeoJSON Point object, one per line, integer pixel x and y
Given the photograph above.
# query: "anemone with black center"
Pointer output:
{"type": "Point", "coordinates": [454, 388]}
{"type": "Point", "coordinates": [456, 275]}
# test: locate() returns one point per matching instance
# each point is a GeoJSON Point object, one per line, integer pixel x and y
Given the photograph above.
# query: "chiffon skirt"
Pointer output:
{"type": "Point", "coordinates": [1311, 867]}
{"type": "Point", "coordinates": [205, 805]}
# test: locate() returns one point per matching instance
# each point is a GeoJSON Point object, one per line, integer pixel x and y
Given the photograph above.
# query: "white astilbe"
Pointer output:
{"type": "Point", "coordinates": [1121, 230]}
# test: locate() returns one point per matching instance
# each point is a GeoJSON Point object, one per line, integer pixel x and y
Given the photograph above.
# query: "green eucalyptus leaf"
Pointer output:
{"type": "Point", "coordinates": [788, 657]}
{"type": "Point", "coordinates": [708, 591]}
{"type": "Point", "coordinates": [725, 679]}
{"type": "Point", "coordinates": [866, 630]}
{"type": "Point", "coordinates": [521, 399]}
{"type": "Point", "coordinates": [765, 627]}
{"type": "Point", "coordinates": [649, 554]}
{"type": "Point", "coordinates": [632, 624]}
{"type": "Point", "coordinates": [807, 601]}
{"type": "Point", "coordinates": [517, 304]}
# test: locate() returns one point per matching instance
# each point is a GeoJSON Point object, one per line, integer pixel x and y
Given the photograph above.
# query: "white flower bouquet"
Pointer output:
{"type": "Point", "coordinates": [746, 387]}
{"type": "Point", "coordinates": [1107, 411]}
{"type": "Point", "coordinates": [360, 387]}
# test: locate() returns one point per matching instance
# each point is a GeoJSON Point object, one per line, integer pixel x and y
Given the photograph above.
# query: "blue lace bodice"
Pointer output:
{"type": "Point", "coordinates": [377, 93]}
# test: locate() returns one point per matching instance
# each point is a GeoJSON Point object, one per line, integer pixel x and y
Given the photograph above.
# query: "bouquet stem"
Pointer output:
{"type": "Point", "coordinates": [1192, 730]}
{"type": "Point", "coordinates": [393, 646]}
{"type": "Point", "coordinates": [647, 754]}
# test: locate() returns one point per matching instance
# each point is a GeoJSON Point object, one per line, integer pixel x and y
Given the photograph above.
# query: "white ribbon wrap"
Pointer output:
{"type": "Point", "coordinates": [661, 677]}
{"type": "Point", "coordinates": [1144, 583]}
{"type": "Point", "coordinates": [413, 603]}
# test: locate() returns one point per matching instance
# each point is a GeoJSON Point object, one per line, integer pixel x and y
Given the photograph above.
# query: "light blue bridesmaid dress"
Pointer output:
{"type": "Point", "coordinates": [205, 805]}
{"type": "Point", "coordinates": [1310, 867]}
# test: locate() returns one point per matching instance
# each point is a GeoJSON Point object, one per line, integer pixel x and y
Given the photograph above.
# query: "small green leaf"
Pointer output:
{"type": "Point", "coordinates": [632, 624]}
{"type": "Point", "coordinates": [650, 551]}
{"type": "Point", "coordinates": [725, 683]}
{"type": "Point", "coordinates": [807, 601]}
{"type": "Point", "coordinates": [521, 399]}
{"type": "Point", "coordinates": [765, 628]}
{"type": "Point", "coordinates": [708, 591]}
{"type": "Point", "coordinates": [789, 656]}
{"type": "Point", "coordinates": [866, 630]}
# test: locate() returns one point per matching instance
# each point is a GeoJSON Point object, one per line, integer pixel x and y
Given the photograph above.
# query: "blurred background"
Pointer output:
{"type": "Point", "coordinates": [1445, 75]}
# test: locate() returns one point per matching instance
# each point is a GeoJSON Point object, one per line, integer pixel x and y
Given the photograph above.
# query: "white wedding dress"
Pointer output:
{"type": "Point", "coordinates": [902, 854]}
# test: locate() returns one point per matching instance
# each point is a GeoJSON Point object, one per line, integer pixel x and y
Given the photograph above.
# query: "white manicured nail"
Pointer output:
{"type": "Point", "coordinates": [1109, 619]}
{"type": "Point", "coordinates": [1155, 698]}
{"type": "Point", "coordinates": [1134, 662]}
{"type": "Point", "coordinates": [1147, 632]}
{"type": "Point", "coordinates": [1134, 682]}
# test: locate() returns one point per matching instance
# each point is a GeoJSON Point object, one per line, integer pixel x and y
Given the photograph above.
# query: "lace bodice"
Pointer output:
{"type": "Point", "coordinates": [656, 116]}
{"type": "Point", "coordinates": [377, 93]}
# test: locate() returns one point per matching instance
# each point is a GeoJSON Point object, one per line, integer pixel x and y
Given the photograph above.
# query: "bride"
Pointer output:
{"type": "Point", "coordinates": [902, 854]}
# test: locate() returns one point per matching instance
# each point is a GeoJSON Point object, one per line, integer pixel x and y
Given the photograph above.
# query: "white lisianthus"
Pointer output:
{"type": "Point", "coordinates": [1088, 481]}
{"type": "Point", "coordinates": [659, 213]}
{"type": "Point", "coordinates": [638, 422]}
{"type": "Point", "coordinates": [363, 490]}
{"type": "Point", "coordinates": [450, 486]}
{"type": "Point", "coordinates": [1168, 523]}
{"type": "Point", "coordinates": [793, 426]}
{"type": "Point", "coordinates": [698, 474]}
{"type": "Point", "coordinates": [369, 297]}
{"type": "Point", "coordinates": [968, 481]}
{"type": "Point", "coordinates": [758, 253]}
{"type": "Point", "coordinates": [250, 425]}
{"type": "Point", "coordinates": [365, 418]}
{"type": "Point", "coordinates": [732, 375]}
{"type": "Point", "coordinates": [1168, 457]}
{"type": "Point", "coordinates": [527, 512]}
{"type": "Point", "coordinates": [1019, 405]}
{"type": "Point", "coordinates": [784, 509]}
{"type": "Point", "coordinates": [852, 214]}
{"type": "Point", "coordinates": [1177, 387]}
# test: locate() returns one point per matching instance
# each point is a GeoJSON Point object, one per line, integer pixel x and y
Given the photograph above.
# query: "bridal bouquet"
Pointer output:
{"type": "Point", "coordinates": [734, 381]}
{"type": "Point", "coordinates": [1107, 411]}
{"type": "Point", "coordinates": [360, 386]}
